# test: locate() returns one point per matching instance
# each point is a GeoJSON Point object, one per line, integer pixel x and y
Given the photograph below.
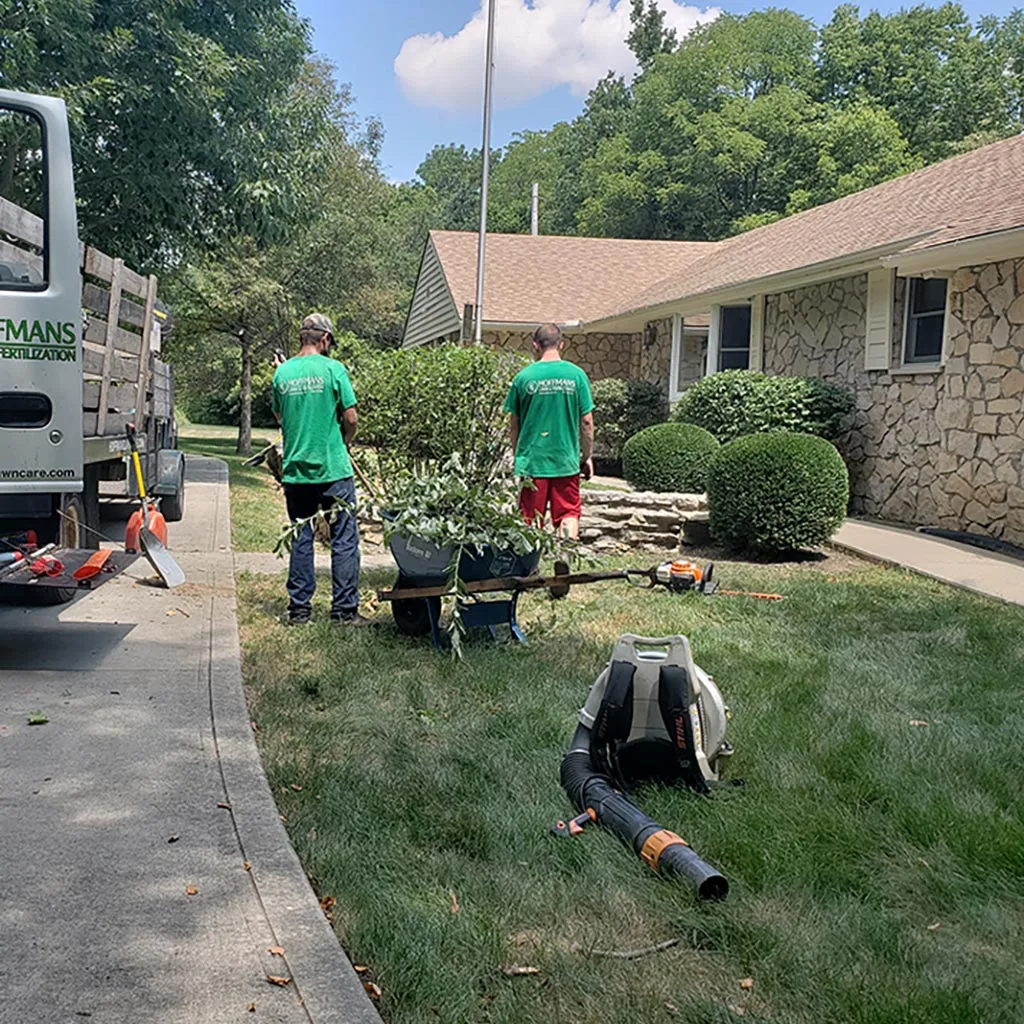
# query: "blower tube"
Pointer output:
{"type": "Point", "coordinates": [663, 851]}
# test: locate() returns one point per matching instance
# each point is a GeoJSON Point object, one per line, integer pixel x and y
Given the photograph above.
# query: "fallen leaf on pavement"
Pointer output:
{"type": "Point", "coordinates": [917, 721]}
{"type": "Point", "coordinates": [37, 718]}
{"type": "Point", "coordinates": [326, 903]}
{"type": "Point", "coordinates": [275, 980]}
{"type": "Point", "coordinates": [455, 903]}
{"type": "Point", "coordinates": [276, 951]}
{"type": "Point", "coordinates": [747, 984]}
{"type": "Point", "coordinates": [191, 890]}
{"type": "Point", "coordinates": [251, 1007]}
{"type": "Point", "coordinates": [935, 927]}
{"type": "Point", "coordinates": [172, 839]}
{"type": "Point", "coordinates": [224, 806]}
{"type": "Point", "coordinates": [515, 971]}
{"type": "Point", "coordinates": [360, 968]}
{"type": "Point", "coordinates": [247, 866]}
{"type": "Point", "coordinates": [373, 991]}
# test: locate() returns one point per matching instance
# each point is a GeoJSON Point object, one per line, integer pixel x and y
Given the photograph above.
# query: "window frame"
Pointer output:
{"type": "Point", "coordinates": [908, 360]}
{"type": "Point", "coordinates": [44, 285]}
{"type": "Point", "coordinates": [720, 349]}
{"type": "Point", "coordinates": [680, 332]}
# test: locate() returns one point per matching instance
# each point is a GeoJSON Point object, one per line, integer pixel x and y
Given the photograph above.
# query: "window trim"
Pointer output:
{"type": "Point", "coordinates": [44, 140]}
{"type": "Point", "coordinates": [923, 365]}
{"type": "Point", "coordinates": [679, 333]}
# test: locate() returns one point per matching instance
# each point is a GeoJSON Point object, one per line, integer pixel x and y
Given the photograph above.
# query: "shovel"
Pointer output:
{"type": "Point", "coordinates": [152, 547]}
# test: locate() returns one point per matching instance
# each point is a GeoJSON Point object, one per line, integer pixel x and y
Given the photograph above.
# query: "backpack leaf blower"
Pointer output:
{"type": "Point", "coordinates": [652, 716]}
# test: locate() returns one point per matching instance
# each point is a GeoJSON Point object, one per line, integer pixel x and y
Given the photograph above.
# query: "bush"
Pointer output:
{"type": "Point", "coordinates": [418, 407]}
{"type": "Point", "coordinates": [738, 402]}
{"type": "Point", "coordinates": [623, 408]}
{"type": "Point", "coordinates": [774, 493]}
{"type": "Point", "coordinates": [669, 457]}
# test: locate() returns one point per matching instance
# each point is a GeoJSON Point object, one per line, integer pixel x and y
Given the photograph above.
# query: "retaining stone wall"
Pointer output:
{"type": "Point", "coordinates": [637, 520]}
{"type": "Point", "coordinates": [936, 447]}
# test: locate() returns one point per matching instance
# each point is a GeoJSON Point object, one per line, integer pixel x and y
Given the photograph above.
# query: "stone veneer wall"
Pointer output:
{"type": "Point", "coordinates": [598, 355]}
{"type": "Point", "coordinates": [655, 352]}
{"type": "Point", "coordinates": [938, 448]}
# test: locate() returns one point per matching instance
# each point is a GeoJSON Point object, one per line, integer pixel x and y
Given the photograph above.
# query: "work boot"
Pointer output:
{"type": "Point", "coordinates": [298, 617]}
{"type": "Point", "coordinates": [354, 619]}
{"type": "Point", "coordinates": [560, 590]}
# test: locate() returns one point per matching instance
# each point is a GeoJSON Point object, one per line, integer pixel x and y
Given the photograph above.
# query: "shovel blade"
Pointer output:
{"type": "Point", "coordinates": [160, 558]}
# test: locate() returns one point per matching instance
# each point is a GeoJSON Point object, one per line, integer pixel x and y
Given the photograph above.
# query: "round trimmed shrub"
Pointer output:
{"type": "Point", "coordinates": [669, 457]}
{"type": "Point", "coordinates": [775, 493]}
{"type": "Point", "coordinates": [622, 408]}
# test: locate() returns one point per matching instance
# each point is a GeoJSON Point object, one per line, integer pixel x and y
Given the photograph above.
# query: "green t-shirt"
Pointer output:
{"type": "Point", "coordinates": [550, 398]}
{"type": "Point", "coordinates": [309, 394]}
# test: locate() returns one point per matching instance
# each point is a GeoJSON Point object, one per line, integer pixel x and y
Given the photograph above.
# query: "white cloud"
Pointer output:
{"type": "Point", "coordinates": [539, 46]}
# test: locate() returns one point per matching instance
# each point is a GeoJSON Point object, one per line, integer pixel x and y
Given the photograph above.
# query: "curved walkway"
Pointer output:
{"type": "Point", "coordinates": [144, 871]}
{"type": "Point", "coordinates": [960, 565]}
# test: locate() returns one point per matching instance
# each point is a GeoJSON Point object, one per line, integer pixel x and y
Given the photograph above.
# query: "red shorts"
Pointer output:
{"type": "Point", "coordinates": [561, 493]}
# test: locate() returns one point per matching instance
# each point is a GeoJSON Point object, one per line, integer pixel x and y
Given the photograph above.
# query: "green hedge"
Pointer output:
{"type": "Point", "coordinates": [738, 402]}
{"type": "Point", "coordinates": [669, 457]}
{"type": "Point", "coordinates": [623, 408]}
{"type": "Point", "coordinates": [776, 493]}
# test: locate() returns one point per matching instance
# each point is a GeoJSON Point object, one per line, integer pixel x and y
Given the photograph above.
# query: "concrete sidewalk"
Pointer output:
{"type": "Point", "coordinates": [961, 565]}
{"type": "Point", "coordinates": [144, 871]}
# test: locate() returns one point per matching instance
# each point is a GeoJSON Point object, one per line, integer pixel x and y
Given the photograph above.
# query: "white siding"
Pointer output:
{"type": "Point", "coordinates": [878, 326]}
{"type": "Point", "coordinates": [432, 312]}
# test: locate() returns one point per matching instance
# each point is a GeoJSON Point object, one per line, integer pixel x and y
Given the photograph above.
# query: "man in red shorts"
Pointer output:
{"type": "Point", "coordinates": [552, 434]}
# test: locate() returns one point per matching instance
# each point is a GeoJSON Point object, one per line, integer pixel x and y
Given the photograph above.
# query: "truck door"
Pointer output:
{"type": "Point", "coordinates": [40, 301]}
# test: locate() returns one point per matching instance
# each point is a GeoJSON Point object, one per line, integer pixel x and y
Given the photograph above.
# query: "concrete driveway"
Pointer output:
{"type": "Point", "coordinates": [144, 871]}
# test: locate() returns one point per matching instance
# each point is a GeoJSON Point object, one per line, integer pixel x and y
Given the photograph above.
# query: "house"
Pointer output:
{"type": "Point", "coordinates": [911, 295]}
{"type": "Point", "coordinates": [547, 278]}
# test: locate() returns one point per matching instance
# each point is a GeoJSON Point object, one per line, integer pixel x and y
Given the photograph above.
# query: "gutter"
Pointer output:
{"type": "Point", "coordinates": [964, 252]}
{"type": "Point", "coordinates": [701, 302]}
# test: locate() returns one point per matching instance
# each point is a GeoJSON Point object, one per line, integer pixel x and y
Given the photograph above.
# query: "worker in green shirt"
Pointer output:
{"type": "Point", "coordinates": [552, 429]}
{"type": "Point", "coordinates": [311, 394]}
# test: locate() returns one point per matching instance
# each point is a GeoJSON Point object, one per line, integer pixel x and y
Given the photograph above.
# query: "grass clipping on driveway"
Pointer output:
{"type": "Point", "coordinates": [875, 858]}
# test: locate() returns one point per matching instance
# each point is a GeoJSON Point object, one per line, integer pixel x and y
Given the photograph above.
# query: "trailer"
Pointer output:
{"type": "Point", "coordinates": [80, 342]}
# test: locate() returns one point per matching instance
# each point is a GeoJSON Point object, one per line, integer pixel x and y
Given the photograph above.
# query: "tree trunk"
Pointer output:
{"type": "Point", "coordinates": [245, 398]}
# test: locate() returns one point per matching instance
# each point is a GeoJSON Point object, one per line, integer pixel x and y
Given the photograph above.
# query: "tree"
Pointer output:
{"type": "Point", "coordinates": [172, 107]}
{"type": "Point", "coordinates": [648, 36]}
{"type": "Point", "coordinates": [454, 173]}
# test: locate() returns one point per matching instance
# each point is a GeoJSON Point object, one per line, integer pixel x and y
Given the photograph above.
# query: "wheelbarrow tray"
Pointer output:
{"type": "Point", "coordinates": [424, 564]}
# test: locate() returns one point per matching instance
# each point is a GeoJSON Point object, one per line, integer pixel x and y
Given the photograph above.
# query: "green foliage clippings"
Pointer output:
{"type": "Point", "coordinates": [737, 402]}
{"type": "Point", "coordinates": [669, 457]}
{"type": "Point", "coordinates": [777, 493]}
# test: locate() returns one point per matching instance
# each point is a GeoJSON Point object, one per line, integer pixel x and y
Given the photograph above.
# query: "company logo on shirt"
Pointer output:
{"type": "Point", "coordinates": [302, 386]}
{"type": "Point", "coordinates": [552, 386]}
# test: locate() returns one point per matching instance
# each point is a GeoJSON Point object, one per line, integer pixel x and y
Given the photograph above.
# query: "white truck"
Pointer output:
{"type": "Point", "coordinates": [79, 360]}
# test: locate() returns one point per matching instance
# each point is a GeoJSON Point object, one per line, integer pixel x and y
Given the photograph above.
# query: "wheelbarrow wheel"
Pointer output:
{"type": "Point", "coordinates": [412, 615]}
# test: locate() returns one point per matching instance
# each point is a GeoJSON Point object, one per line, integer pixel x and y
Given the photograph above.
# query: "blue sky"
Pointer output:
{"type": "Point", "coordinates": [550, 52]}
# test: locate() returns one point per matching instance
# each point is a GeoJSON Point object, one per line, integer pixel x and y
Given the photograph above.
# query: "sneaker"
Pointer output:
{"type": "Point", "coordinates": [354, 619]}
{"type": "Point", "coordinates": [298, 618]}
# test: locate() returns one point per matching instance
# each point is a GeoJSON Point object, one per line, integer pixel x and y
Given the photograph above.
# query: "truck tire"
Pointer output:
{"type": "Point", "coordinates": [173, 505]}
{"type": "Point", "coordinates": [70, 533]}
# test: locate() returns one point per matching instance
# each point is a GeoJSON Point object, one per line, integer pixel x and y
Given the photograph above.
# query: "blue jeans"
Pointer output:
{"type": "Point", "coordinates": [303, 501]}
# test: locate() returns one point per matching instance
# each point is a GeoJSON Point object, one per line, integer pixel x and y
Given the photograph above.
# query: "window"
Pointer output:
{"type": "Point", "coordinates": [734, 338]}
{"type": "Point", "coordinates": [22, 216]}
{"type": "Point", "coordinates": [925, 320]}
{"type": "Point", "coordinates": [689, 357]}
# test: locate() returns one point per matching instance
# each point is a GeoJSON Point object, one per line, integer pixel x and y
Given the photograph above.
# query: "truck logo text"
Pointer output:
{"type": "Point", "coordinates": [38, 340]}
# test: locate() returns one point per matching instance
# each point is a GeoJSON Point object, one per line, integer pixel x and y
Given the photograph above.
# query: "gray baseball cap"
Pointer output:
{"type": "Point", "coordinates": [318, 322]}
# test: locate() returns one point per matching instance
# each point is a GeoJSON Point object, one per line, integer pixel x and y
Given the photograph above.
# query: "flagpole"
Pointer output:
{"type": "Point", "coordinates": [485, 179]}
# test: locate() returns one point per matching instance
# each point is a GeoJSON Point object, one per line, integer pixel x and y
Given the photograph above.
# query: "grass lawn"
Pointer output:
{"type": "Point", "coordinates": [257, 505]}
{"type": "Point", "coordinates": [876, 865]}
